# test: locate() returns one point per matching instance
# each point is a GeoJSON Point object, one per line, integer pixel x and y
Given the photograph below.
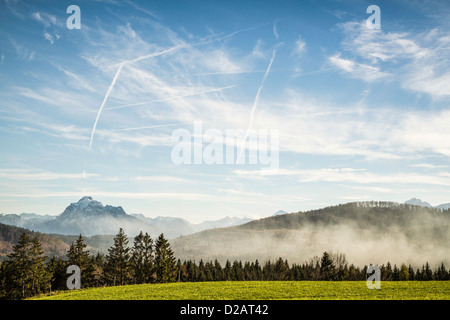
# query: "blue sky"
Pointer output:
{"type": "Point", "coordinates": [361, 114]}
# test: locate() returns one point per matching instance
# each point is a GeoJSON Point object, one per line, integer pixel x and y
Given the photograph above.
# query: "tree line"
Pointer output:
{"type": "Point", "coordinates": [27, 272]}
{"type": "Point", "coordinates": [331, 267]}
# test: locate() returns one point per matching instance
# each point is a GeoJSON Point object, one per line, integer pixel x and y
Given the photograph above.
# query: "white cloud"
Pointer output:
{"type": "Point", "coordinates": [300, 47]}
{"type": "Point", "coordinates": [41, 175]}
{"type": "Point", "coordinates": [357, 70]}
{"type": "Point", "coordinates": [48, 37]}
{"type": "Point", "coordinates": [46, 19]}
{"type": "Point", "coordinates": [419, 61]}
{"type": "Point", "coordinates": [359, 176]}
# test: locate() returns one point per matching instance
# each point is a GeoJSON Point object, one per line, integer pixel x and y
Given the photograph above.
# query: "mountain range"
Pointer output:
{"type": "Point", "coordinates": [418, 202]}
{"type": "Point", "coordinates": [366, 232]}
{"type": "Point", "coordinates": [90, 217]}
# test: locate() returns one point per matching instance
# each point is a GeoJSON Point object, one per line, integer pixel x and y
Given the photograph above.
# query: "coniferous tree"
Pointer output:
{"type": "Point", "coordinates": [441, 273]}
{"type": "Point", "coordinates": [327, 268]}
{"type": "Point", "coordinates": [57, 268]}
{"type": "Point", "coordinates": [227, 271]}
{"type": "Point", "coordinates": [428, 272]}
{"type": "Point", "coordinates": [165, 263]}
{"type": "Point", "coordinates": [217, 271]}
{"type": "Point", "coordinates": [142, 258]}
{"type": "Point", "coordinates": [403, 273]}
{"type": "Point", "coordinates": [258, 270]}
{"type": "Point", "coordinates": [24, 273]}
{"type": "Point", "coordinates": [99, 265]}
{"type": "Point", "coordinates": [411, 273]}
{"type": "Point", "coordinates": [281, 270]}
{"type": "Point", "coordinates": [78, 256]}
{"type": "Point", "coordinates": [117, 268]}
{"type": "Point", "coordinates": [40, 277]}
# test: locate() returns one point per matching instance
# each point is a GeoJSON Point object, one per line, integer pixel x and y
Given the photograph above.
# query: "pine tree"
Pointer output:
{"type": "Point", "coordinates": [227, 271]}
{"type": "Point", "coordinates": [117, 268]}
{"type": "Point", "coordinates": [428, 272]}
{"type": "Point", "coordinates": [25, 274]}
{"type": "Point", "coordinates": [77, 255]}
{"type": "Point", "coordinates": [411, 273]}
{"type": "Point", "coordinates": [165, 263]}
{"type": "Point", "coordinates": [142, 258]}
{"type": "Point", "coordinates": [57, 268]}
{"type": "Point", "coordinates": [218, 272]}
{"type": "Point", "coordinates": [404, 273]}
{"type": "Point", "coordinates": [327, 268]}
{"type": "Point", "coordinates": [281, 269]}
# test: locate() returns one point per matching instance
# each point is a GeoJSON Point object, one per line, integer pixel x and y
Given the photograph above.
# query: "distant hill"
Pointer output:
{"type": "Point", "coordinates": [174, 227]}
{"type": "Point", "coordinates": [52, 244]}
{"type": "Point", "coordinates": [367, 232]}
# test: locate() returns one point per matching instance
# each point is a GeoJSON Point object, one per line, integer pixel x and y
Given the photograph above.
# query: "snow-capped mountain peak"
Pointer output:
{"type": "Point", "coordinates": [87, 206]}
{"type": "Point", "coordinates": [418, 202]}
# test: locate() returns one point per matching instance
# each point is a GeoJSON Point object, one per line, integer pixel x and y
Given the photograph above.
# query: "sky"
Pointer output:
{"type": "Point", "coordinates": [136, 106]}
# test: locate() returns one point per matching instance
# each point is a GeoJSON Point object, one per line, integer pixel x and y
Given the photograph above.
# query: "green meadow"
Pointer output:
{"type": "Point", "coordinates": [263, 290]}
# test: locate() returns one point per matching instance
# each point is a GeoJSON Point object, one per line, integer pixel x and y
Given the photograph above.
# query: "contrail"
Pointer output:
{"type": "Point", "coordinates": [169, 98]}
{"type": "Point", "coordinates": [103, 103]}
{"type": "Point", "coordinates": [155, 54]}
{"type": "Point", "coordinates": [255, 104]}
{"type": "Point", "coordinates": [150, 127]}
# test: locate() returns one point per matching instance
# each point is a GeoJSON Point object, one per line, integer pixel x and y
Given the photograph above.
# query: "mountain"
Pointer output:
{"type": "Point", "coordinates": [222, 223]}
{"type": "Point", "coordinates": [444, 206]}
{"type": "Point", "coordinates": [367, 232]}
{"type": "Point", "coordinates": [173, 227]}
{"type": "Point", "coordinates": [279, 212]}
{"type": "Point", "coordinates": [87, 217]}
{"type": "Point", "coordinates": [418, 202]}
{"type": "Point", "coordinates": [37, 217]}
{"type": "Point", "coordinates": [12, 219]}
{"type": "Point", "coordinates": [90, 217]}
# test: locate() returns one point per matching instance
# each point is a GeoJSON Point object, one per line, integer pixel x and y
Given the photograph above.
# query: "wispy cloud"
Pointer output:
{"type": "Point", "coordinates": [46, 19]}
{"type": "Point", "coordinates": [357, 70]}
{"type": "Point", "coordinates": [23, 52]}
{"type": "Point", "coordinates": [419, 57]}
{"type": "Point", "coordinates": [41, 175]}
{"type": "Point", "coordinates": [48, 37]}
{"type": "Point", "coordinates": [360, 176]}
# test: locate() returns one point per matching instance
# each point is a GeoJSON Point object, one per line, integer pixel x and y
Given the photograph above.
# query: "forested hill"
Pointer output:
{"type": "Point", "coordinates": [365, 231]}
{"type": "Point", "coordinates": [9, 236]}
{"type": "Point", "coordinates": [52, 244]}
{"type": "Point", "coordinates": [365, 215]}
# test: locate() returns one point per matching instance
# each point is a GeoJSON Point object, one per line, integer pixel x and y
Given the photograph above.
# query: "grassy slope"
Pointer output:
{"type": "Point", "coordinates": [264, 290]}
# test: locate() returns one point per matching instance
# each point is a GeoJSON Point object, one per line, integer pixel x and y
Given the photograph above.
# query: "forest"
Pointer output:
{"type": "Point", "coordinates": [28, 272]}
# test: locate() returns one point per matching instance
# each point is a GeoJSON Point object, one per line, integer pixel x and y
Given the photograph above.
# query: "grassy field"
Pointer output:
{"type": "Point", "coordinates": [264, 290]}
